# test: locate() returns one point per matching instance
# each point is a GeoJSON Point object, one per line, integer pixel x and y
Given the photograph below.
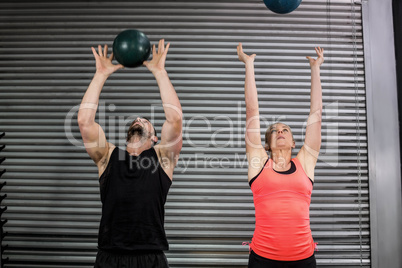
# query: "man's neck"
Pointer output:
{"type": "Point", "coordinates": [136, 146]}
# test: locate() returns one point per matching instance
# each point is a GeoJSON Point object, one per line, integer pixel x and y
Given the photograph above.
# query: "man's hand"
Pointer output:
{"type": "Point", "coordinates": [157, 63]}
{"type": "Point", "coordinates": [104, 65]}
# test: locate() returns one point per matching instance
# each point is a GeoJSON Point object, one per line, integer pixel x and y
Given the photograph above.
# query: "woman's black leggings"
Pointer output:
{"type": "Point", "coordinates": [256, 261]}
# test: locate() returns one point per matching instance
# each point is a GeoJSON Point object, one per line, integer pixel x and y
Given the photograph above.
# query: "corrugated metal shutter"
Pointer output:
{"type": "Point", "coordinates": [46, 65]}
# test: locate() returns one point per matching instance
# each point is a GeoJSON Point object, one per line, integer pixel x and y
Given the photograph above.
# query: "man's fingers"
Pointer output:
{"type": "Point", "coordinates": [167, 48]}
{"type": "Point", "coordinates": [105, 50]}
{"type": "Point", "coordinates": [161, 46]}
{"type": "Point", "coordinates": [100, 50]}
{"type": "Point", "coordinates": [153, 51]}
{"type": "Point", "coordinates": [94, 52]}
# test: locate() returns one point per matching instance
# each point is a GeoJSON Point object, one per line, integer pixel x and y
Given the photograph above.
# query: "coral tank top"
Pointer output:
{"type": "Point", "coordinates": [282, 219]}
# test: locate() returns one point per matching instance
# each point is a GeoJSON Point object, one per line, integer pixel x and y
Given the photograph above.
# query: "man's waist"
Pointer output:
{"type": "Point", "coordinates": [134, 252]}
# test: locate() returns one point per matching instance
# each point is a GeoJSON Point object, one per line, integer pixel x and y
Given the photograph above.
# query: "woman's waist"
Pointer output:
{"type": "Point", "coordinates": [286, 227]}
{"type": "Point", "coordinates": [283, 212]}
{"type": "Point", "coordinates": [282, 243]}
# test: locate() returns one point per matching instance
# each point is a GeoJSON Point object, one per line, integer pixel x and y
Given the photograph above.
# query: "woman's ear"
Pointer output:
{"type": "Point", "coordinates": [266, 147]}
{"type": "Point", "coordinates": [294, 144]}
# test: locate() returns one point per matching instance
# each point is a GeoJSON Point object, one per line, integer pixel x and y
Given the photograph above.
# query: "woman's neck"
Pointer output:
{"type": "Point", "coordinates": [281, 159]}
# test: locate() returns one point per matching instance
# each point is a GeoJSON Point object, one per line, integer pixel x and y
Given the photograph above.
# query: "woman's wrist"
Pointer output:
{"type": "Point", "coordinates": [315, 67]}
{"type": "Point", "coordinates": [249, 63]}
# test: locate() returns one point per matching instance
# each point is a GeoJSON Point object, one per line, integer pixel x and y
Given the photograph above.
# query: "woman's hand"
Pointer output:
{"type": "Point", "coordinates": [320, 59]}
{"type": "Point", "coordinates": [243, 56]}
{"type": "Point", "coordinates": [104, 65]}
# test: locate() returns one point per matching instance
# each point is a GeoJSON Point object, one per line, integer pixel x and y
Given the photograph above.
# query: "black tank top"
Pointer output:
{"type": "Point", "coordinates": [133, 193]}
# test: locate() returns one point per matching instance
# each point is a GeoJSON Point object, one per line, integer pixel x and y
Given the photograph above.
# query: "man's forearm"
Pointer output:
{"type": "Point", "coordinates": [89, 103]}
{"type": "Point", "coordinates": [170, 100]}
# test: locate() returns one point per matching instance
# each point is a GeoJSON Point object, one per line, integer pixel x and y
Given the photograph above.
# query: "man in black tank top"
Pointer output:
{"type": "Point", "coordinates": [134, 182]}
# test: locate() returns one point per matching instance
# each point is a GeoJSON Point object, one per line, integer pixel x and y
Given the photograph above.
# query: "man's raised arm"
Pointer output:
{"type": "Point", "coordinates": [92, 133]}
{"type": "Point", "coordinates": [171, 137]}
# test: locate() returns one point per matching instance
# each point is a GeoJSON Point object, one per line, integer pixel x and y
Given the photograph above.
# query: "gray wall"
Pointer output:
{"type": "Point", "coordinates": [53, 197]}
{"type": "Point", "coordinates": [383, 135]}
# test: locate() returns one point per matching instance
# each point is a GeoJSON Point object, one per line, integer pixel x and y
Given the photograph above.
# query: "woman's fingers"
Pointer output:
{"type": "Point", "coordinates": [319, 51]}
{"type": "Point", "coordinates": [240, 49]}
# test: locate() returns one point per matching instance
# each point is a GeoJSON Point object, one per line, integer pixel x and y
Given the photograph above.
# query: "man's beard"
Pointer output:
{"type": "Point", "coordinates": [135, 130]}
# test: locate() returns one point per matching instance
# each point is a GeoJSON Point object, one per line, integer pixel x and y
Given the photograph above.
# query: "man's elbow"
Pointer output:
{"type": "Point", "coordinates": [83, 121]}
{"type": "Point", "coordinates": [176, 120]}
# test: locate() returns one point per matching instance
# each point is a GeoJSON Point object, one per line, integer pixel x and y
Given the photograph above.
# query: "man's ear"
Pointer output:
{"type": "Point", "coordinates": [154, 139]}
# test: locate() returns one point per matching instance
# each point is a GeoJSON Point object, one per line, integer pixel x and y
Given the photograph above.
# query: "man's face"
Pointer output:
{"type": "Point", "coordinates": [140, 127]}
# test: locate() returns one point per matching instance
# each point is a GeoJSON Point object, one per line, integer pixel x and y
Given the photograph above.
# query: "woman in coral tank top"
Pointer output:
{"type": "Point", "coordinates": [281, 185]}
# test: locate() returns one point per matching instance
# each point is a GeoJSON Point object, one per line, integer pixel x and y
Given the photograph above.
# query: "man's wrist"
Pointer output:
{"type": "Point", "coordinates": [158, 73]}
{"type": "Point", "coordinates": [101, 75]}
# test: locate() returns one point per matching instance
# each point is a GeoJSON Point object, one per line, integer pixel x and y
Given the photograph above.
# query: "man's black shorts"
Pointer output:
{"type": "Point", "coordinates": [145, 259]}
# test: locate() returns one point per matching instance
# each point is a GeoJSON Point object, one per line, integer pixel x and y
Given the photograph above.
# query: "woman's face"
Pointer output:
{"type": "Point", "coordinates": [280, 137]}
